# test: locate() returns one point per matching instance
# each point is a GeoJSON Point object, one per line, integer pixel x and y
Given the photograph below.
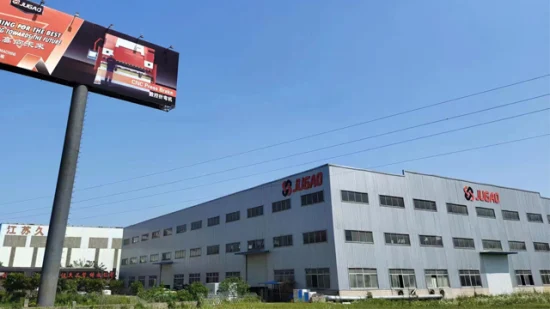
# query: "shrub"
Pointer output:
{"type": "Point", "coordinates": [17, 283]}
{"type": "Point", "coordinates": [233, 286]}
{"type": "Point", "coordinates": [198, 291]}
{"type": "Point", "coordinates": [184, 295]}
{"type": "Point", "coordinates": [136, 287]}
{"type": "Point", "coordinates": [67, 286]}
{"type": "Point", "coordinates": [116, 286]}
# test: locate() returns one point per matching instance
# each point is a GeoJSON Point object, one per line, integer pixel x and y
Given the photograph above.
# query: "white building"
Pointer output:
{"type": "Point", "coordinates": [349, 231]}
{"type": "Point", "coordinates": [23, 246]}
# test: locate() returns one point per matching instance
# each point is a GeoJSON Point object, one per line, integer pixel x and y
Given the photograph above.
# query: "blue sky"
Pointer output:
{"type": "Point", "coordinates": [254, 73]}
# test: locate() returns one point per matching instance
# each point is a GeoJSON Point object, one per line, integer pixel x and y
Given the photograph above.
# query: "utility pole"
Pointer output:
{"type": "Point", "coordinates": [62, 199]}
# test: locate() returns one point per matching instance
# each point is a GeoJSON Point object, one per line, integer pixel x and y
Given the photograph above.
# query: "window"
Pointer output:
{"type": "Point", "coordinates": [510, 215]}
{"type": "Point", "coordinates": [424, 205]}
{"type": "Point", "coordinates": [517, 245]}
{"type": "Point", "coordinates": [397, 239]}
{"type": "Point", "coordinates": [464, 243]}
{"type": "Point", "coordinates": [145, 237]}
{"type": "Point", "coordinates": [492, 244]}
{"type": "Point", "coordinates": [545, 274]}
{"type": "Point", "coordinates": [485, 212]}
{"type": "Point", "coordinates": [124, 262]}
{"type": "Point", "coordinates": [318, 278]}
{"type": "Point", "coordinates": [355, 197]}
{"type": "Point", "coordinates": [436, 278]}
{"type": "Point", "coordinates": [363, 278]}
{"type": "Point", "coordinates": [548, 219]}
{"type": "Point", "coordinates": [432, 241]}
{"type": "Point", "coordinates": [142, 280]}
{"type": "Point", "coordinates": [257, 244]}
{"type": "Point", "coordinates": [166, 256]}
{"type": "Point", "coordinates": [152, 281]}
{"type": "Point", "coordinates": [167, 232]}
{"type": "Point", "coordinates": [280, 206]}
{"type": "Point", "coordinates": [233, 247]}
{"type": "Point", "coordinates": [469, 278]}
{"type": "Point", "coordinates": [135, 239]}
{"type": "Point", "coordinates": [232, 217]}
{"type": "Point", "coordinates": [457, 209]}
{"type": "Point", "coordinates": [534, 218]}
{"type": "Point", "coordinates": [359, 236]}
{"type": "Point", "coordinates": [195, 252]}
{"type": "Point", "coordinates": [232, 274]}
{"type": "Point", "coordinates": [283, 275]}
{"type": "Point", "coordinates": [143, 259]}
{"type": "Point", "coordinates": [392, 201]}
{"type": "Point", "coordinates": [524, 278]}
{"type": "Point", "coordinates": [179, 281]}
{"type": "Point", "coordinates": [313, 198]}
{"type": "Point", "coordinates": [541, 246]}
{"type": "Point", "coordinates": [196, 225]}
{"type": "Point", "coordinates": [126, 242]}
{"type": "Point", "coordinates": [255, 211]}
{"type": "Point", "coordinates": [131, 279]}
{"type": "Point", "coordinates": [180, 254]}
{"type": "Point", "coordinates": [282, 241]}
{"type": "Point", "coordinates": [194, 278]}
{"type": "Point", "coordinates": [212, 277]}
{"type": "Point", "coordinates": [155, 234]}
{"type": "Point", "coordinates": [214, 221]}
{"type": "Point", "coordinates": [211, 250]}
{"type": "Point", "coordinates": [133, 260]}
{"type": "Point", "coordinates": [402, 278]}
{"type": "Point", "coordinates": [315, 237]}
{"type": "Point", "coordinates": [154, 258]}
{"type": "Point", "coordinates": [181, 228]}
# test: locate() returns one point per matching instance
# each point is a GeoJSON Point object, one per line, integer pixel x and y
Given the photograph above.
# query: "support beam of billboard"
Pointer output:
{"type": "Point", "coordinates": [62, 199]}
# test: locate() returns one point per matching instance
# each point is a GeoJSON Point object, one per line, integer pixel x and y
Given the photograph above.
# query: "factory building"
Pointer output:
{"type": "Point", "coordinates": [86, 250]}
{"type": "Point", "coordinates": [349, 232]}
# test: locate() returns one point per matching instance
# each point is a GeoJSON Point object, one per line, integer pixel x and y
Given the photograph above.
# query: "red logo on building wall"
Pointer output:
{"type": "Point", "coordinates": [482, 195]}
{"type": "Point", "coordinates": [303, 183]}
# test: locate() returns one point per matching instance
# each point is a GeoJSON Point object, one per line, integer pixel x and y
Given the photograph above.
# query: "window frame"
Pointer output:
{"type": "Point", "coordinates": [309, 238]}
{"type": "Point", "coordinates": [317, 197]}
{"type": "Point", "coordinates": [180, 229]}
{"type": "Point", "coordinates": [506, 213]}
{"type": "Point", "coordinates": [458, 239]}
{"type": "Point", "coordinates": [352, 233]}
{"type": "Point", "coordinates": [398, 198]}
{"type": "Point", "coordinates": [196, 225]}
{"type": "Point", "coordinates": [544, 244]}
{"type": "Point", "coordinates": [524, 245]}
{"type": "Point", "coordinates": [213, 221]}
{"type": "Point", "coordinates": [458, 206]}
{"type": "Point", "coordinates": [494, 216]}
{"type": "Point", "coordinates": [179, 254]}
{"type": "Point", "coordinates": [233, 216]}
{"type": "Point", "coordinates": [318, 273]}
{"type": "Point", "coordinates": [406, 244]}
{"type": "Point", "coordinates": [212, 277]}
{"type": "Point", "coordinates": [464, 274]}
{"type": "Point", "coordinates": [254, 212]}
{"type": "Point", "coordinates": [530, 218]}
{"type": "Point", "coordinates": [195, 252]}
{"type": "Point", "coordinates": [435, 237]}
{"type": "Point", "coordinates": [229, 245]}
{"type": "Point", "coordinates": [155, 234]}
{"type": "Point", "coordinates": [485, 246]}
{"type": "Point", "coordinates": [420, 202]}
{"type": "Point", "coordinates": [523, 276]}
{"type": "Point", "coordinates": [363, 273]}
{"type": "Point", "coordinates": [213, 250]}
{"type": "Point", "coordinates": [166, 256]}
{"type": "Point", "coordinates": [399, 275]}
{"type": "Point", "coordinates": [167, 232]}
{"type": "Point", "coordinates": [355, 194]}
{"type": "Point", "coordinates": [280, 206]}
{"type": "Point", "coordinates": [441, 276]}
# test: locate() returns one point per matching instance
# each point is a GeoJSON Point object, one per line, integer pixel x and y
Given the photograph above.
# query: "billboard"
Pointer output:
{"type": "Point", "coordinates": [41, 42]}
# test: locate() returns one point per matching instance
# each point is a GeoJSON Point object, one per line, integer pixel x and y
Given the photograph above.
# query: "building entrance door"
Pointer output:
{"type": "Point", "coordinates": [496, 269]}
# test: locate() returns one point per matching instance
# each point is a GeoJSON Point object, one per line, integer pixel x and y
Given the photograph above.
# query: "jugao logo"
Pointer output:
{"type": "Point", "coordinates": [303, 183]}
{"type": "Point", "coordinates": [482, 195]}
{"type": "Point", "coordinates": [28, 6]}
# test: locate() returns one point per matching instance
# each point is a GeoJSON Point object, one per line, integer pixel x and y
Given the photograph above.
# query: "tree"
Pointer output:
{"type": "Point", "coordinates": [82, 264]}
{"type": "Point", "coordinates": [116, 286]}
{"type": "Point", "coordinates": [68, 286]}
{"type": "Point", "coordinates": [234, 285]}
{"type": "Point", "coordinates": [1, 264]}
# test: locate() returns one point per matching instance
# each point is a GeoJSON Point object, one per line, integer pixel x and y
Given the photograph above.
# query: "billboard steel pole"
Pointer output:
{"type": "Point", "coordinates": [62, 199]}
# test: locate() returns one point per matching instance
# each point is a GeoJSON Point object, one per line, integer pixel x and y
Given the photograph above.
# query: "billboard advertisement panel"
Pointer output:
{"type": "Point", "coordinates": [41, 42]}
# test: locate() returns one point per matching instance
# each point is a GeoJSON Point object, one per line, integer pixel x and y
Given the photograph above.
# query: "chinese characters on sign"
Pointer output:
{"type": "Point", "coordinates": [25, 230]}
{"type": "Point", "coordinates": [77, 274]}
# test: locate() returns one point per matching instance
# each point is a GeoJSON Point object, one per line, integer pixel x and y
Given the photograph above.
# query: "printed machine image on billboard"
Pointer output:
{"type": "Point", "coordinates": [45, 43]}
